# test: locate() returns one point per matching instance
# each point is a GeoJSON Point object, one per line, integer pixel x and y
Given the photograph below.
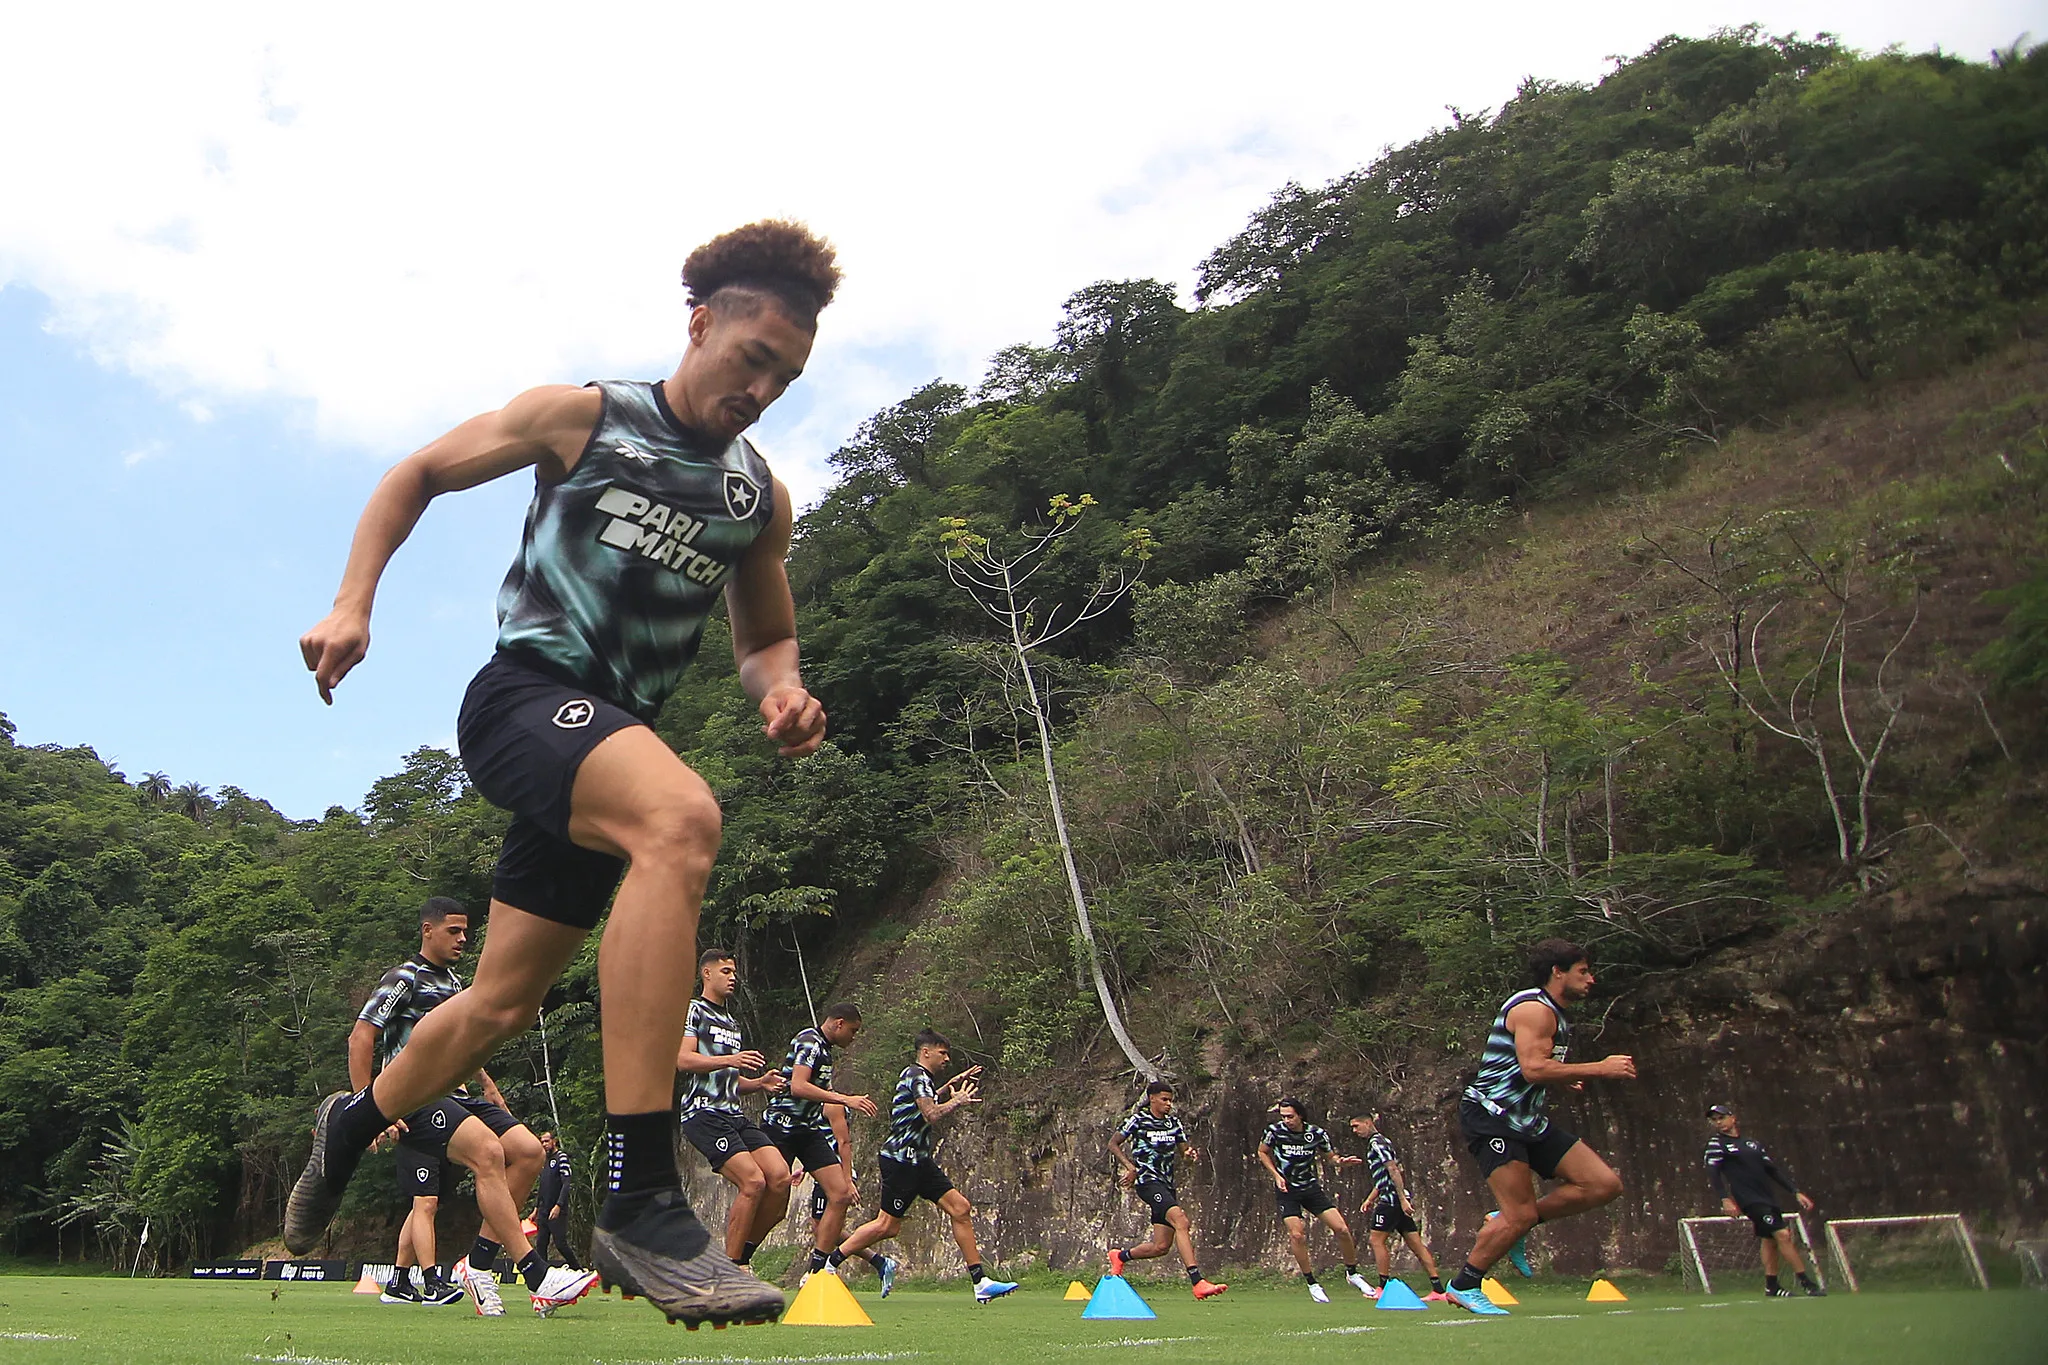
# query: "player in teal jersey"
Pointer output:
{"type": "Point", "coordinates": [1146, 1145]}
{"type": "Point", "coordinates": [648, 504]}
{"type": "Point", "coordinates": [1507, 1126]}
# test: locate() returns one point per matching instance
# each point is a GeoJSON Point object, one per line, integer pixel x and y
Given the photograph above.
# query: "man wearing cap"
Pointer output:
{"type": "Point", "coordinates": [1744, 1175]}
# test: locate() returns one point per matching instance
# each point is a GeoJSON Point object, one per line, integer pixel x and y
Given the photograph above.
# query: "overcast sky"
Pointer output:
{"type": "Point", "coordinates": [248, 257]}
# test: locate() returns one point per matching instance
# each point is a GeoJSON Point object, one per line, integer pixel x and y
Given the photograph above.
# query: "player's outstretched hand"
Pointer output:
{"type": "Point", "coordinates": [1728, 1207]}
{"type": "Point", "coordinates": [794, 720]}
{"type": "Point", "coordinates": [388, 1139]}
{"type": "Point", "coordinates": [775, 1082]}
{"type": "Point", "coordinates": [1804, 1202]}
{"type": "Point", "coordinates": [1190, 1154]}
{"type": "Point", "coordinates": [966, 1077]}
{"type": "Point", "coordinates": [1127, 1177]}
{"type": "Point", "coordinates": [1343, 1160]}
{"type": "Point", "coordinates": [862, 1105]}
{"type": "Point", "coordinates": [750, 1061]}
{"type": "Point", "coordinates": [1619, 1068]}
{"type": "Point", "coordinates": [333, 647]}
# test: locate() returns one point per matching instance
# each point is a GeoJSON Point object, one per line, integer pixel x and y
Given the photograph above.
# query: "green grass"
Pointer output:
{"type": "Point", "coordinates": [172, 1322]}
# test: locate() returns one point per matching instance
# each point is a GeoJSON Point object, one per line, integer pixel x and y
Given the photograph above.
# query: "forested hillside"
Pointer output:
{"type": "Point", "coordinates": [1620, 514]}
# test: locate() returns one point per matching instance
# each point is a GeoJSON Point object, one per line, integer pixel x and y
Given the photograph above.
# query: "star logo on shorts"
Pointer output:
{"type": "Point", "coordinates": [742, 495]}
{"type": "Point", "coordinates": [574, 715]}
{"type": "Point", "coordinates": [723, 1143]}
{"type": "Point", "coordinates": [423, 1174]}
{"type": "Point", "coordinates": [1499, 1145]}
{"type": "Point", "coordinates": [440, 1120]}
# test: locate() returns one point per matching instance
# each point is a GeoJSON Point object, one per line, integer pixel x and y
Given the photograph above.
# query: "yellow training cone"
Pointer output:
{"type": "Point", "coordinates": [1497, 1293]}
{"type": "Point", "coordinates": [1604, 1292]}
{"type": "Point", "coordinates": [826, 1302]}
{"type": "Point", "coordinates": [1077, 1290]}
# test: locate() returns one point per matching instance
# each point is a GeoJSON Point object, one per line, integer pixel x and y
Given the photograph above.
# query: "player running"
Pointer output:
{"type": "Point", "coordinates": [807, 1120]}
{"type": "Point", "coordinates": [909, 1172]}
{"type": "Point", "coordinates": [476, 1131]}
{"type": "Point", "coordinates": [648, 502]}
{"type": "Point", "coordinates": [712, 1058]}
{"type": "Point", "coordinates": [1744, 1174]}
{"type": "Point", "coordinates": [1146, 1146]}
{"type": "Point", "coordinates": [416, 1235]}
{"type": "Point", "coordinates": [1390, 1210]}
{"type": "Point", "coordinates": [1506, 1126]}
{"type": "Point", "coordinates": [1289, 1150]}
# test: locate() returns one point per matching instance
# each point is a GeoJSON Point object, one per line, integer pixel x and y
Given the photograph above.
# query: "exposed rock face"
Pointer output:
{"type": "Point", "coordinates": [1892, 1057]}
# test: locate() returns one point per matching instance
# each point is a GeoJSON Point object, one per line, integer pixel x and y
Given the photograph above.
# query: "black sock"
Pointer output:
{"type": "Point", "coordinates": [1468, 1278]}
{"type": "Point", "coordinates": [876, 1259]}
{"type": "Point", "coordinates": [1771, 1282]}
{"type": "Point", "coordinates": [1802, 1277]}
{"type": "Point", "coordinates": [532, 1269]}
{"type": "Point", "coordinates": [401, 1283]}
{"type": "Point", "coordinates": [351, 1128]}
{"type": "Point", "coordinates": [431, 1276]}
{"type": "Point", "coordinates": [484, 1255]}
{"type": "Point", "coordinates": [1351, 1268]}
{"type": "Point", "coordinates": [836, 1258]}
{"type": "Point", "coordinates": [817, 1259]}
{"type": "Point", "coordinates": [746, 1253]}
{"type": "Point", "coordinates": [974, 1273]}
{"type": "Point", "coordinates": [640, 1153]}
{"type": "Point", "coordinates": [1194, 1274]}
{"type": "Point", "coordinates": [1309, 1276]}
{"type": "Point", "coordinates": [1436, 1285]}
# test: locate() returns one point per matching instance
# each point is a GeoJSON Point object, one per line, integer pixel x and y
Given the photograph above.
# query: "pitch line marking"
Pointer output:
{"type": "Point", "coordinates": [1328, 1332]}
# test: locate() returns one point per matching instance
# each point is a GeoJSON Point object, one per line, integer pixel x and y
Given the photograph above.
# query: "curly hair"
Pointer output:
{"type": "Point", "coordinates": [772, 259]}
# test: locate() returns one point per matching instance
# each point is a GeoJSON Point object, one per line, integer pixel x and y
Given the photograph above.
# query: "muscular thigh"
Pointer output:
{"type": "Point", "coordinates": [630, 786]}
{"type": "Point", "coordinates": [1581, 1165]}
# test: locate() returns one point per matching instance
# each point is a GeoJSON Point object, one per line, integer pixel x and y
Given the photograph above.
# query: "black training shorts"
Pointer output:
{"type": "Point", "coordinates": [1493, 1144]}
{"type": "Point", "coordinates": [1159, 1196]}
{"type": "Point", "coordinates": [1387, 1216]}
{"type": "Point", "coordinates": [523, 734]}
{"type": "Point", "coordinates": [428, 1128]}
{"type": "Point", "coordinates": [718, 1134]}
{"type": "Point", "coordinates": [498, 1118]}
{"type": "Point", "coordinates": [1768, 1219]}
{"type": "Point", "coordinates": [422, 1175]}
{"type": "Point", "coordinates": [1303, 1201]}
{"type": "Point", "coordinates": [906, 1182]}
{"type": "Point", "coordinates": [811, 1148]}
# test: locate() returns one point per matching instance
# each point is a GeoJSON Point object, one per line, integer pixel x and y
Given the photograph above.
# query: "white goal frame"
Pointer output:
{"type": "Point", "coordinates": [1956, 1225]}
{"type": "Point", "coordinates": [1689, 1246]}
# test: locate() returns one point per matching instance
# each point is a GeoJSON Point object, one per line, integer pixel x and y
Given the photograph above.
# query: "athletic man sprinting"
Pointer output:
{"type": "Point", "coordinates": [1146, 1146]}
{"type": "Point", "coordinates": [1506, 1124]}
{"type": "Point", "coordinates": [1289, 1151]}
{"type": "Point", "coordinates": [808, 1122]}
{"type": "Point", "coordinates": [909, 1172]}
{"type": "Point", "coordinates": [1744, 1175]}
{"type": "Point", "coordinates": [648, 502]}
{"type": "Point", "coordinates": [713, 1059]}
{"type": "Point", "coordinates": [1388, 1209]}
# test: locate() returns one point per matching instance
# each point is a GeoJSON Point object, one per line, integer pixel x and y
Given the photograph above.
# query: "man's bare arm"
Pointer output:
{"type": "Point", "coordinates": [362, 1054]}
{"type": "Point", "coordinates": [1535, 1028]}
{"type": "Point", "coordinates": [763, 617]}
{"type": "Point", "coordinates": [545, 428]}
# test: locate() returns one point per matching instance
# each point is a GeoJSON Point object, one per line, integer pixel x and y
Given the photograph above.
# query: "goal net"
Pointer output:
{"type": "Point", "coordinates": [1723, 1251]}
{"type": "Point", "coordinates": [1923, 1251]}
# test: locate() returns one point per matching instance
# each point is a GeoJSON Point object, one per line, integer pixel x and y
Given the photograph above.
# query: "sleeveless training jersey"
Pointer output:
{"type": "Point", "coordinates": [814, 1050]}
{"type": "Point", "coordinates": [621, 561]}
{"type": "Point", "coordinates": [1500, 1088]}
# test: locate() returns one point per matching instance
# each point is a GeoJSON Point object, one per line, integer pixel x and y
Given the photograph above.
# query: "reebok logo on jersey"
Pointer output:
{"type": "Point", "coordinates": [632, 452]}
{"type": "Point", "coordinates": [574, 715]}
{"type": "Point", "coordinates": [742, 495]}
{"type": "Point", "coordinates": [661, 533]}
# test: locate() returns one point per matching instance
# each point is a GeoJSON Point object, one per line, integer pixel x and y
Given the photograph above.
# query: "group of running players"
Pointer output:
{"type": "Point", "coordinates": [648, 504]}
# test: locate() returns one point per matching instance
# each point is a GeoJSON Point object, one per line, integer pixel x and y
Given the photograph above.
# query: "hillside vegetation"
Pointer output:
{"type": "Point", "coordinates": [1617, 514]}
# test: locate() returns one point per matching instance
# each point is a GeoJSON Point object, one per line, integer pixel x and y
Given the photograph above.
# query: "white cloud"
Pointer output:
{"type": "Point", "coordinates": [148, 450]}
{"type": "Point", "coordinates": [401, 214]}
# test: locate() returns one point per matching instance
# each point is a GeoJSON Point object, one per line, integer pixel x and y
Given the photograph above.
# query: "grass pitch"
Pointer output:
{"type": "Point", "coordinates": [177, 1322]}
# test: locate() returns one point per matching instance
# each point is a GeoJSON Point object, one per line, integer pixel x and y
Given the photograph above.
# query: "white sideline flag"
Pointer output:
{"type": "Point", "coordinates": [145, 1232]}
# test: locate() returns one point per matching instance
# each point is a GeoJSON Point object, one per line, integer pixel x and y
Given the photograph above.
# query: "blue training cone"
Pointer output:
{"type": "Point", "coordinates": [1397, 1297]}
{"type": "Point", "coordinates": [1114, 1298]}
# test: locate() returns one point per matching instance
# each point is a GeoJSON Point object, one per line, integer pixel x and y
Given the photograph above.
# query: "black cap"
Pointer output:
{"type": "Point", "coordinates": [1720, 1111]}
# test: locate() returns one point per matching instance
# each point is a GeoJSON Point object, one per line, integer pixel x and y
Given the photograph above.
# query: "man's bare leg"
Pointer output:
{"type": "Point", "coordinates": [838, 1199]}
{"type": "Point", "coordinates": [1297, 1242]}
{"type": "Point", "coordinates": [877, 1229]}
{"type": "Point", "coordinates": [1382, 1254]}
{"type": "Point", "coordinates": [474, 1145]}
{"type": "Point", "coordinates": [1415, 1245]}
{"type": "Point", "coordinates": [1584, 1182]}
{"type": "Point", "coordinates": [773, 1205]}
{"type": "Point", "coordinates": [751, 1186]}
{"type": "Point", "coordinates": [1346, 1243]}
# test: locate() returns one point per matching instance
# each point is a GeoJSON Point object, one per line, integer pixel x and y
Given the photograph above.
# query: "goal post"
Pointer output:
{"type": "Point", "coordinates": [1711, 1247]}
{"type": "Point", "coordinates": [1908, 1248]}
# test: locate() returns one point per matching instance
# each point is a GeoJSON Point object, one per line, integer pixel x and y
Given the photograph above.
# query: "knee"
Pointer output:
{"type": "Point", "coordinates": [1605, 1187]}
{"type": "Point", "coordinates": [680, 828]}
{"type": "Point", "coordinates": [1518, 1219]}
{"type": "Point", "coordinates": [778, 1184]}
{"type": "Point", "coordinates": [502, 1019]}
{"type": "Point", "coordinates": [522, 1151]}
{"type": "Point", "coordinates": [964, 1218]}
{"type": "Point", "coordinates": [750, 1184]}
{"type": "Point", "coordinates": [1297, 1239]}
{"type": "Point", "coordinates": [427, 1206]}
